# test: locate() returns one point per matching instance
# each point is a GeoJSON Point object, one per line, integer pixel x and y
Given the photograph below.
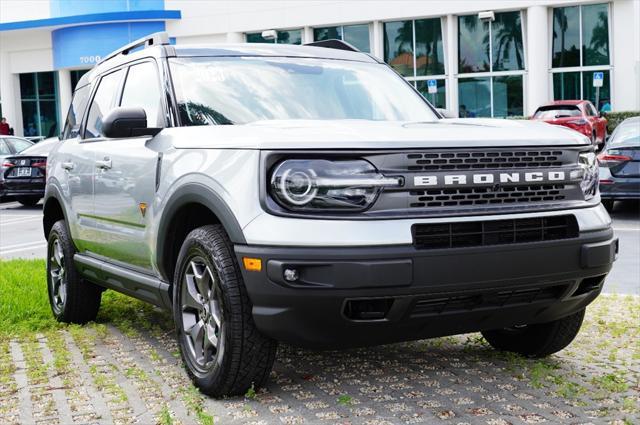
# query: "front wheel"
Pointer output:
{"type": "Point", "coordinates": [537, 340]}
{"type": "Point", "coordinates": [222, 350]}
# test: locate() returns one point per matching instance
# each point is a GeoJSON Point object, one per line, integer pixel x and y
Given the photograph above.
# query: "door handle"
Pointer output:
{"type": "Point", "coordinates": [67, 165]}
{"type": "Point", "coordinates": [104, 164]}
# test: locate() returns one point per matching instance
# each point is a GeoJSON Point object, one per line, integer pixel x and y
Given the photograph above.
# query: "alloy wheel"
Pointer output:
{"type": "Point", "coordinates": [202, 319]}
{"type": "Point", "coordinates": [58, 277]}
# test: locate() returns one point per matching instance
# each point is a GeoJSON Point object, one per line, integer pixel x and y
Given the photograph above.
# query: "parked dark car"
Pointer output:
{"type": "Point", "coordinates": [22, 176]}
{"type": "Point", "coordinates": [579, 115]}
{"type": "Point", "coordinates": [620, 164]}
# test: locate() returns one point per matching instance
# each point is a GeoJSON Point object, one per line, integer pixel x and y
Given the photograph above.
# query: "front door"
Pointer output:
{"type": "Point", "coordinates": [125, 177]}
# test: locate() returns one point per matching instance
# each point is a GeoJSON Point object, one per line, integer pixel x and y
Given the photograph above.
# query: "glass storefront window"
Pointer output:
{"type": "Point", "coordinates": [566, 86]}
{"type": "Point", "coordinates": [398, 46]}
{"type": "Point", "coordinates": [507, 96]}
{"type": "Point", "coordinates": [579, 85]}
{"type": "Point", "coordinates": [439, 99]}
{"type": "Point", "coordinates": [429, 49]}
{"type": "Point", "coordinates": [425, 35]}
{"type": "Point", "coordinates": [473, 45]}
{"type": "Point", "coordinates": [39, 101]}
{"type": "Point", "coordinates": [474, 97]}
{"type": "Point", "coordinates": [567, 51]}
{"type": "Point", "coordinates": [506, 42]}
{"type": "Point", "coordinates": [566, 37]}
{"type": "Point", "coordinates": [356, 35]}
{"type": "Point", "coordinates": [595, 34]}
{"type": "Point", "coordinates": [589, 92]}
{"type": "Point", "coordinates": [284, 37]}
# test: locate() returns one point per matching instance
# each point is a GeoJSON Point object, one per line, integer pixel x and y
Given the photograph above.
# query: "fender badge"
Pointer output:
{"type": "Point", "coordinates": [143, 208]}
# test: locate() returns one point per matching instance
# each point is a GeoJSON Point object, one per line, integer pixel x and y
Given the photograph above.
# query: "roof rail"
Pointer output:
{"type": "Point", "coordinates": [334, 44]}
{"type": "Point", "coordinates": [157, 38]}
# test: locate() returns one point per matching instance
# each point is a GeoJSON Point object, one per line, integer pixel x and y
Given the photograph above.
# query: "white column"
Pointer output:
{"type": "Point", "coordinates": [307, 35]}
{"type": "Point", "coordinates": [538, 90]}
{"type": "Point", "coordinates": [10, 93]}
{"type": "Point", "coordinates": [235, 37]}
{"type": "Point", "coordinates": [451, 55]}
{"type": "Point", "coordinates": [625, 55]}
{"type": "Point", "coordinates": [377, 40]}
{"type": "Point", "coordinates": [64, 95]}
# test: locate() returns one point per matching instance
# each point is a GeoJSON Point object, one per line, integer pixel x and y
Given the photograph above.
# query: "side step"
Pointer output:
{"type": "Point", "coordinates": [137, 285]}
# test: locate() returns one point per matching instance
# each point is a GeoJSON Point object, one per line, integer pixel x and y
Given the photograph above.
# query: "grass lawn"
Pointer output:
{"type": "Point", "coordinates": [24, 304]}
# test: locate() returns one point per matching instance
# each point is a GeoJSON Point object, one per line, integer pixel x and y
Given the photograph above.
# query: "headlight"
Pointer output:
{"type": "Point", "coordinates": [589, 166]}
{"type": "Point", "coordinates": [315, 184]}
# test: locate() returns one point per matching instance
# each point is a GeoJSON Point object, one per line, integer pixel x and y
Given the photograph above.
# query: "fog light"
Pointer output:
{"type": "Point", "coordinates": [291, 275]}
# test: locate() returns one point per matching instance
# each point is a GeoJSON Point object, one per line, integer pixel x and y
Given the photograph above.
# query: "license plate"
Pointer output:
{"type": "Point", "coordinates": [24, 172]}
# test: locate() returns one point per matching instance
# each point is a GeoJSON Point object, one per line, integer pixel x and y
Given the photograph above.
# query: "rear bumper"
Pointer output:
{"type": "Point", "coordinates": [360, 296]}
{"type": "Point", "coordinates": [628, 188]}
{"type": "Point", "coordinates": [22, 187]}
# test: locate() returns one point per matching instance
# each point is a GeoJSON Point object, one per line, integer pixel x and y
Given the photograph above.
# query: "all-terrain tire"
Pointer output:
{"type": "Point", "coordinates": [537, 340]}
{"type": "Point", "coordinates": [244, 357]}
{"type": "Point", "coordinates": [72, 299]}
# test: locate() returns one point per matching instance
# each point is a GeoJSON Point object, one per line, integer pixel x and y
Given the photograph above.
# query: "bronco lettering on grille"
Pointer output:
{"type": "Point", "coordinates": [488, 178]}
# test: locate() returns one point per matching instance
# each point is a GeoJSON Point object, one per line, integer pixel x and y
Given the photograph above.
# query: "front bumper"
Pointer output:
{"type": "Point", "coordinates": [356, 296]}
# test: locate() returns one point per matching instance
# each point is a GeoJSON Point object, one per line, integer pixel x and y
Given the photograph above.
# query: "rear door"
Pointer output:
{"type": "Point", "coordinates": [126, 176]}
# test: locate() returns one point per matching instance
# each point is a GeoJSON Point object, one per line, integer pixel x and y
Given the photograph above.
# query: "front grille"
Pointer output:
{"type": "Point", "coordinates": [447, 161]}
{"type": "Point", "coordinates": [485, 195]}
{"type": "Point", "coordinates": [494, 232]}
{"type": "Point", "coordinates": [486, 299]}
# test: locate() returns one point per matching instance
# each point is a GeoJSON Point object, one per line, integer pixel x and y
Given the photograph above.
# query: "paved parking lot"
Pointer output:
{"type": "Point", "coordinates": [21, 237]}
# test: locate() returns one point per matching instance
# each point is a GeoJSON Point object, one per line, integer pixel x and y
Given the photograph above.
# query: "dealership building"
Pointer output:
{"type": "Point", "coordinates": [493, 58]}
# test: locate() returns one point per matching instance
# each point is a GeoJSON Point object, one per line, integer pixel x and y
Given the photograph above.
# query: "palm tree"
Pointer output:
{"type": "Point", "coordinates": [508, 33]}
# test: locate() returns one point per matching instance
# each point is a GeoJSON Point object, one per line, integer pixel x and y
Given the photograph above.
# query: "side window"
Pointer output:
{"type": "Point", "coordinates": [74, 116]}
{"type": "Point", "coordinates": [102, 103]}
{"type": "Point", "coordinates": [4, 149]}
{"type": "Point", "coordinates": [141, 89]}
{"type": "Point", "coordinates": [19, 145]}
{"type": "Point", "coordinates": [591, 110]}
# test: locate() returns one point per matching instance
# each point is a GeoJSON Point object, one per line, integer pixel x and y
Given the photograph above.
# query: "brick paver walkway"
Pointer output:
{"type": "Point", "coordinates": [117, 372]}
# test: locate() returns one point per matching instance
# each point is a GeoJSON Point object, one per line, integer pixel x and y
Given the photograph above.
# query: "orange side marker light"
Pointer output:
{"type": "Point", "coordinates": [252, 264]}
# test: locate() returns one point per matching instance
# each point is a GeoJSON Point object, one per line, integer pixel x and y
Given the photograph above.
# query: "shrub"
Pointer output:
{"type": "Point", "coordinates": [615, 118]}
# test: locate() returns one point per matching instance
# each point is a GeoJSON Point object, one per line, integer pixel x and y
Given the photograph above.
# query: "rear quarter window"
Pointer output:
{"type": "Point", "coordinates": [76, 111]}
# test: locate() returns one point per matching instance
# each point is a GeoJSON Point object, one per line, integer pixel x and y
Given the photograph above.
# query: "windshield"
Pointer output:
{"type": "Point", "coordinates": [558, 111]}
{"type": "Point", "coordinates": [241, 90]}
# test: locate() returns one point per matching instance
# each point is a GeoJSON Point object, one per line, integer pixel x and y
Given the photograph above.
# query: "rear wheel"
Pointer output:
{"type": "Point", "coordinates": [222, 350]}
{"type": "Point", "coordinates": [29, 201]}
{"type": "Point", "coordinates": [537, 340]}
{"type": "Point", "coordinates": [608, 204]}
{"type": "Point", "coordinates": [72, 299]}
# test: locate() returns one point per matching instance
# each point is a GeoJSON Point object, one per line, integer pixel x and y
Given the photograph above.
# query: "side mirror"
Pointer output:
{"type": "Point", "coordinates": [125, 121]}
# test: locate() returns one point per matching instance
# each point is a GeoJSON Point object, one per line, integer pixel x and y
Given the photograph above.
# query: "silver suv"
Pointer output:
{"type": "Point", "coordinates": [310, 195]}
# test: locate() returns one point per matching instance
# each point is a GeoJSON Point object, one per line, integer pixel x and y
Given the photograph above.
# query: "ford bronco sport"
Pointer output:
{"type": "Point", "coordinates": [310, 195]}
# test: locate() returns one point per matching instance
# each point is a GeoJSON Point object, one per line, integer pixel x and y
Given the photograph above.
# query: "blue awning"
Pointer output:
{"type": "Point", "coordinates": [94, 18]}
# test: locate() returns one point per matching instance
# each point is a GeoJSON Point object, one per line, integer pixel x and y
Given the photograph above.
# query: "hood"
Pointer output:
{"type": "Point", "coordinates": [362, 134]}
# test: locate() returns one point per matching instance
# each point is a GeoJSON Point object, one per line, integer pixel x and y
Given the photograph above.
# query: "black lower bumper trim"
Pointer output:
{"type": "Point", "coordinates": [372, 295]}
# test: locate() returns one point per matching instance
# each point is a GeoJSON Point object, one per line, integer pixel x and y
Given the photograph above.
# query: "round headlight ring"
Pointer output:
{"type": "Point", "coordinates": [303, 181]}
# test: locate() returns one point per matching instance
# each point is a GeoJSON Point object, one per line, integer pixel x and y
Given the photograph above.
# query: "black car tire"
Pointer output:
{"type": "Point", "coordinates": [537, 340]}
{"type": "Point", "coordinates": [29, 201]}
{"type": "Point", "coordinates": [222, 350]}
{"type": "Point", "coordinates": [72, 299]}
{"type": "Point", "coordinates": [608, 204]}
